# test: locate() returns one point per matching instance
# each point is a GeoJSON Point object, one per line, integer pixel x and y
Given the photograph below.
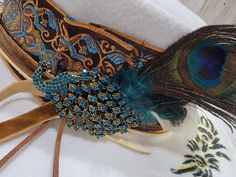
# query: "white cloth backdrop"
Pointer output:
{"type": "Point", "coordinates": [159, 22]}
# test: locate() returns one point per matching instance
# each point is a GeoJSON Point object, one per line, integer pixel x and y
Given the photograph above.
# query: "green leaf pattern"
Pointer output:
{"type": "Point", "coordinates": [206, 150]}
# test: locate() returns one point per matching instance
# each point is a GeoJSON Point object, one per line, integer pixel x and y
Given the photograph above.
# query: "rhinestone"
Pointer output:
{"type": "Point", "coordinates": [72, 87]}
{"type": "Point", "coordinates": [70, 115]}
{"type": "Point", "coordinates": [101, 87]}
{"type": "Point", "coordinates": [66, 102]}
{"type": "Point", "coordinates": [82, 102]}
{"type": "Point", "coordinates": [116, 110]}
{"type": "Point", "coordinates": [102, 107]}
{"type": "Point", "coordinates": [92, 99]}
{"type": "Point", "coordinates": [112, 88]}
{"type": "Point", "coordinates": [85, 88]}
{"type": "Point", "coordinates": [58, 106]}
{"type": "Point", "coordinates": [62, 114]}
{"type": "Point", "coordinates": [105, 80]}
{"type": "Point", "coordinates": [77, 110]}
{"type": "Point", "coordinates": [110, 103]}
{"type": "Point", "coordinates": [89, 125]}
{"type": "Point", "coordinates": [109, 116]}
{"type": "Point", "coordinates": [97, 119]}
{"type": "Point", "coordinates": [117, 122]}
{"type": "Point", "coordinates": [48, 96]}
{"type": "Point", "coordinates": [95, 86]}
{"type": "Point", "coordinates": [104, 96]}
{"type": "Point", "coordinates": [86, 114]}
{"type": "Point", "coordinates": [122, 102]}
{"type": "Point", "coordinates": [56, 98]}
{"type": "Point", "coordinates": [116, 96]}
{"type": "Point", "coordinates": [72, 97]}
{"type": "Point", "coordinates": [92, 109]}
{"type": "Point", "coordinates": [78, 91]}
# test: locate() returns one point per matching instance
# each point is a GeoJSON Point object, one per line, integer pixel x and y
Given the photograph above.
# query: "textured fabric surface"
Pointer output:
{"type": "Point", "coordinates": [159, 22]}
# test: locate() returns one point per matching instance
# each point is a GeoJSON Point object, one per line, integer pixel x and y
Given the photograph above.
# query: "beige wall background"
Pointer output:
{"type": "Point", "coordinates": [214, 11]}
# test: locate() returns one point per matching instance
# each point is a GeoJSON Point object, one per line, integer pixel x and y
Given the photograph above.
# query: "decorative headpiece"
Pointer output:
{"type": "Point", "coordinates": [104, 82]}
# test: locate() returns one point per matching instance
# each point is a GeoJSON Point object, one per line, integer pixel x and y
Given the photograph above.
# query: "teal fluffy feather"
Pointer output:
{"type": "Point", "coordinates": [143, 99]}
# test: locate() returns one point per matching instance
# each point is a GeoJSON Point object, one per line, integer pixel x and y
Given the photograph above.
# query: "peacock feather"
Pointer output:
{"type": "Point", "coordinates": [200, 68]}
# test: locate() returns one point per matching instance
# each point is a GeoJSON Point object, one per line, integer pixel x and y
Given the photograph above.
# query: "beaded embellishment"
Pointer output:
{"type": "Point", "coordinates": [89, 101]}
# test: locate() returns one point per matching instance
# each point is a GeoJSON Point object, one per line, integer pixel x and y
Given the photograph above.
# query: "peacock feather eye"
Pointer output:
{"type": "Point", "coordinates": [206, 64]}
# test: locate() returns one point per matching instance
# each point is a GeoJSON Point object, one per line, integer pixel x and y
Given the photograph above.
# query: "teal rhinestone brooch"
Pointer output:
{"type": "Point", "coordinates": [89, 101]}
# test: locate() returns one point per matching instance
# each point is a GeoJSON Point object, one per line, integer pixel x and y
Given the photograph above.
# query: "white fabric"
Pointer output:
{"type": "Point", "coordinates": [159, 22]}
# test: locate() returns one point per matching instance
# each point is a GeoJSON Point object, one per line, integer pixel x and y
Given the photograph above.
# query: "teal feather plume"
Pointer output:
{"type": "Point", "coordinates": [143, 99]}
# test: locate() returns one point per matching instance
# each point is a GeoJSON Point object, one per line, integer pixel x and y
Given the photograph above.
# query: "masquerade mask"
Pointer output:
{"type": "Point", "coordinates": [104, 82]}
